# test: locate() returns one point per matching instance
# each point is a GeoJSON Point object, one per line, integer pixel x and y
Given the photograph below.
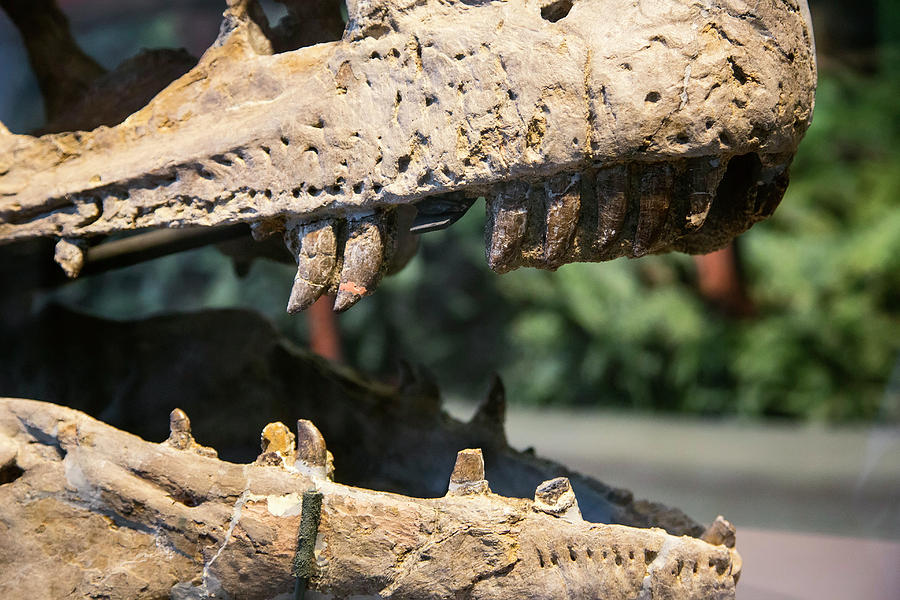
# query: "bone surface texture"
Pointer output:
{"type": "Point", "coordinates": [109, 514]}
{"type": "Point", "coordinates": [594, 128]}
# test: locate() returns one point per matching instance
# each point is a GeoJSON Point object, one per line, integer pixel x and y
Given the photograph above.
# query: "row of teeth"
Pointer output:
{"type": "Point", "coordinates": [307, 452]}
{"type": "Point", "coordinates": [594, 215]}
{"type": "Point", "coordinates": [599, 214]}
{"type": "Point", "coordinates": [346, 258]}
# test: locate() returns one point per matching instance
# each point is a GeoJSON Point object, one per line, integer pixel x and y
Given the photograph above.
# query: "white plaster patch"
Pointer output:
{"type": "Point", "coordinates": [287, 505]}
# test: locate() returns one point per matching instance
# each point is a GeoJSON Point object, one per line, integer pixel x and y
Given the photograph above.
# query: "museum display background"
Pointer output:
{"type": "Point", "coordinates": [782, 413]}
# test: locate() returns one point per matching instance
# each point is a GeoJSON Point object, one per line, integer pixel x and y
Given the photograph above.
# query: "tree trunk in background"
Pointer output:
{"type": "Point", "coordinates": [720, 282]}
{"type": "Point", "coordinates": [324, 335]}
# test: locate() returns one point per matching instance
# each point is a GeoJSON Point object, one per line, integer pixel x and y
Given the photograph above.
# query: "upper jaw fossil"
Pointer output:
{"type": "Point", "coordinates": [594, 128]}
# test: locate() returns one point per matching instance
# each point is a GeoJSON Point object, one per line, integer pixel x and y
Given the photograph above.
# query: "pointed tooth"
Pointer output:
{"type": "Point", "coordinates": [556, 497]}
{"type": "Point", "coordinates": [507, 223]}
{"type": "Point", "coordinates": [468, 474]}
{"type": "Point", "coordinates": [563, 209]}
{"type": "Point", "coordinates": [364, 257]}
{"type": "Point", "coordinates": [612, 203]}
{"type": "Point", "coordinates": [654, 186]}
{"type": "Point", "coordinates": [492, 412]}
{"type": "Point", "coordinates": [315, 247]}
{"type": "Point", "coordinates": [311, 450]}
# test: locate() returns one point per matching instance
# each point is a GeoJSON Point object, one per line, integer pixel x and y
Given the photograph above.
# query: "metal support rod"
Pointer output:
{"type": "Point", "coordinates": [304, 559]}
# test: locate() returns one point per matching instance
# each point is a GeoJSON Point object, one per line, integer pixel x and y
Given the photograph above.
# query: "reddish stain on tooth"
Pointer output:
{"type": "Point", "coordinates": [353, 288]}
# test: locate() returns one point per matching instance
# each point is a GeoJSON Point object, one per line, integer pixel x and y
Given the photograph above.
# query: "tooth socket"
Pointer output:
{"type": "Point", "coordinates": [314, 245]}
{"type": "Point", "coordinates": [556, 497]}
{"type": "Point", "coordinates": [468, 474]}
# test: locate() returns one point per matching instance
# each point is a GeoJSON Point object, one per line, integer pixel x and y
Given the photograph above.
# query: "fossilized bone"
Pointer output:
{"type": "Point", "coordinates": [594, 128]}
{"type": "Point", "coordinates": [96, 512]}
{"type": "Point", "coordinates": [389, 437]}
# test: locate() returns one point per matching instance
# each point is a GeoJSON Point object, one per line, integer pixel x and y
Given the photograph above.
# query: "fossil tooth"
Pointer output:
{"type": "Point", "coordinates": [720, 533]}
{"type": "Point", "coordinates": [654, 185]}
{"type": "Point", "coordinates": [702, 178]}
{"type": "Point", "coordinates": [310, 444]}
{"type": "Point", "coordinates": [468, 474]}
{"type": "Point", "coordinates": [563, 208]}
{"type": "Point", "coordinates": [507, 219]}
{"type": "Point", "coordinates": [278, 445]}
{"type": "Point", "coordinates": [179, 426]}
{"type": "Point", "coordinates": [312, 455]}
{"type": "Point", "coordinates": [612, 203]}
{"type": "Point", "coordinates": [491, 414]}
{"type": "Point", "coordinates": [487, 546]}
{"type": "Point", "coordinates": [180, 436]}
{"type": "Point", "coordinates": [315, 247]}
{"type": "Point", "coordinates": [70, 256]}
{"type": "Point", "coordinates": [556, 497]}
{"type": "Point", "coordinates": [364, 257]}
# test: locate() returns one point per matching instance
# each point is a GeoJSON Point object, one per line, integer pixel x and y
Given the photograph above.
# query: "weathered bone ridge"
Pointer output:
{"type": "Point", "coordinates": [594, 128]}
{"type": "Point", "coordinates": [113, 515]}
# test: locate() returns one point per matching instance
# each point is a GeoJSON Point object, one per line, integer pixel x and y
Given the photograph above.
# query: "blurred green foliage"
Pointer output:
{"type": "Point", "coordinates": [824, 273]}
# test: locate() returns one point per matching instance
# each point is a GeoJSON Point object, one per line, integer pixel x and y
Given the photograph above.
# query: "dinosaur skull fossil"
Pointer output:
{"type": "Point", "coordinates": [594, 128]}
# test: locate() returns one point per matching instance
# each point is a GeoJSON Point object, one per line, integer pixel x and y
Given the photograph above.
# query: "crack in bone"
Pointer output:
{"type": "Point", "coordinates": [206, 576]}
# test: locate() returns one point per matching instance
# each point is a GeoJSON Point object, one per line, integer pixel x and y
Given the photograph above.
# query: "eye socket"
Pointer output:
{"type": "Point", "coordinates": [555, 11]}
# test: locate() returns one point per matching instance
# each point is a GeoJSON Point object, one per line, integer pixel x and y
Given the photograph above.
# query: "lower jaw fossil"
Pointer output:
{"type": "Point", "coordinates": [150, 520]}
{"type": "Point", "coordinates": [142, 520]}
